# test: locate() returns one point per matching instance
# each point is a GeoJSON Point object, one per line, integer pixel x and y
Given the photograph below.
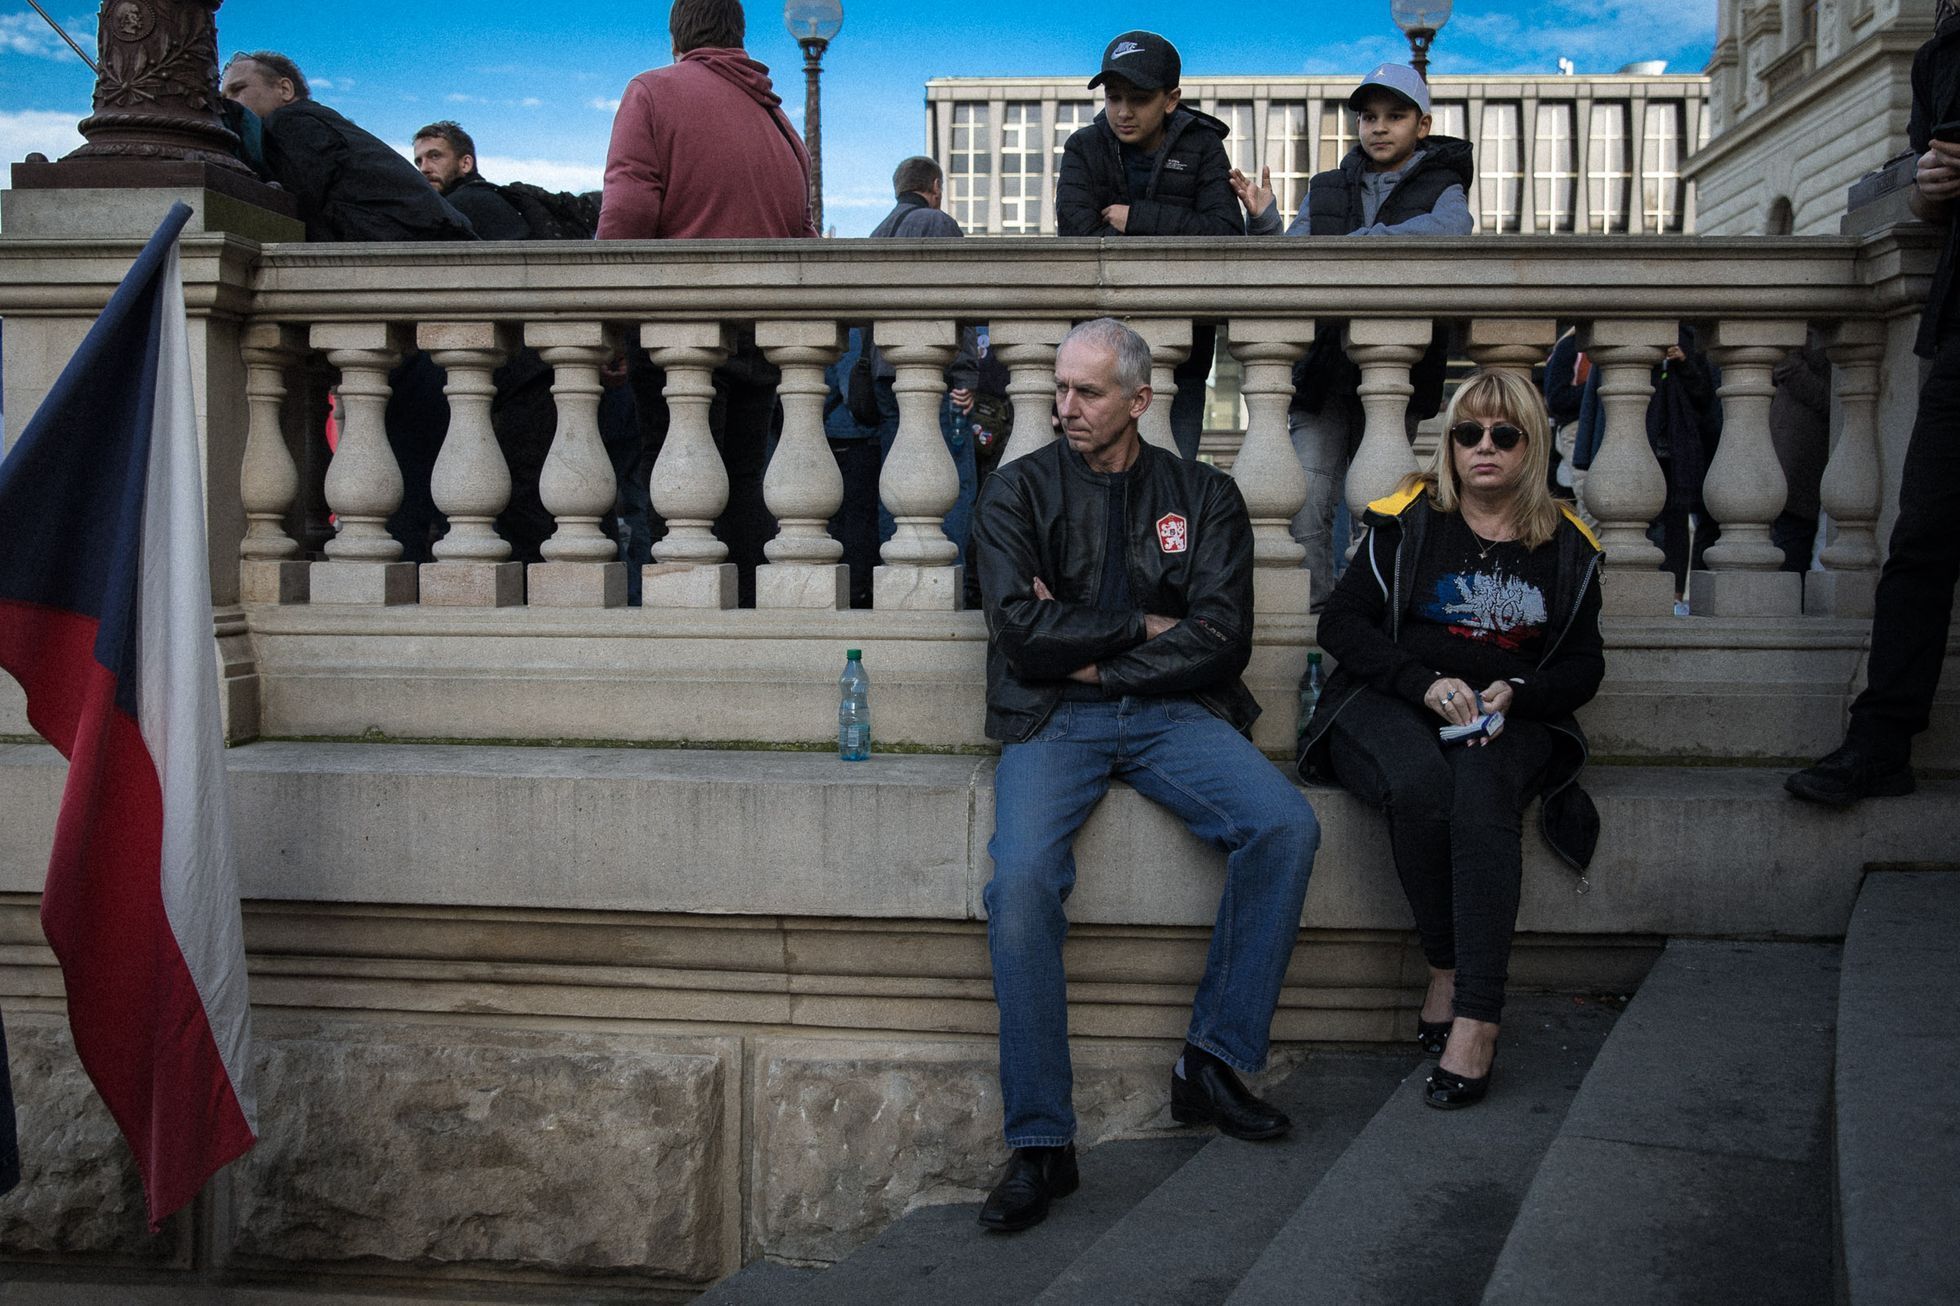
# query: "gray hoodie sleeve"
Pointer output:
{"type": "Point", "coordinates": [1267, 223]}
{"type": "Point", "coordinates": [1449, 217]}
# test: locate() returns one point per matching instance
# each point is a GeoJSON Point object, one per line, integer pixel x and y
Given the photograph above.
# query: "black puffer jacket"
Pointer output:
{"type": "Point", "coordinates": [349, 184]}
{"type": "Point", "coordinates": [1363, 622]}
{"type": "Point", "coordinates": [491, 215]}
{"type": "Point", "coordinates": [1190, 191]}
{"type": "Point", "coordinates": [1190, 558]}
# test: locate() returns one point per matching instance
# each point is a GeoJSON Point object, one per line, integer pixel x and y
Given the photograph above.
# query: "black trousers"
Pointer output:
{"type": "Point", "coordinates": [1915, 590]}
{"type": "Point", "coordinates": [1455, 826]}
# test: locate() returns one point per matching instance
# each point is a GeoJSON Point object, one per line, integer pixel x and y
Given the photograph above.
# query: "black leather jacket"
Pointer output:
{"type": "Point", "coordinates": [1190, 557]}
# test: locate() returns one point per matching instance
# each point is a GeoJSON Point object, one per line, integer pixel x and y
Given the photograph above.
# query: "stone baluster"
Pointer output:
{"type": "Point", "coordinates": [1515, 344]}
{"type": "Point", "coordinates": [581, 567]}
{"type": "Point", "coordinates": [1270, 477]}
{"type": "Point", "coordinates": [471, 481]}
{"type": "Point", "coordinates": [1851, 489]}
{"type": "Point", "coordinates": [1384, 348]}
{"type": "Point", "coordinates": [1028, 349]}
{"type": "Point", "coordinates": [803, 486]}
{"type": "Point", "coordinates": [919, 482]}
{"type": "Point", "coordinates": [1624, 488]}
{"type": "Point", "coordinates": [1744, 488]}
{"type": "Point", "coordinates": [690, 484]}
{"type": "Point", "coordinates": [364, 484]}
{"type": "Point", "coordinates": [1169, 339]}
{"type": "Point", "coordinates": [269, 568]}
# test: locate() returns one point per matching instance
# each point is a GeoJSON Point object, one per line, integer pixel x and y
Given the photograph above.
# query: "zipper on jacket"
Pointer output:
{"type": "Point", "coordinates": [1579, 599]}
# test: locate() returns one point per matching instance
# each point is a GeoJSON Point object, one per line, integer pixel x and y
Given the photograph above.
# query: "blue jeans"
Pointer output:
{"type": "Point", "coordinates": [1176, 753]}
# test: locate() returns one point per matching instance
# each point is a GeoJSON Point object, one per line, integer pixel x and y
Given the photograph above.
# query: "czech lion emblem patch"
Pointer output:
{"type": "Point", "coordinates": [1172, 536]}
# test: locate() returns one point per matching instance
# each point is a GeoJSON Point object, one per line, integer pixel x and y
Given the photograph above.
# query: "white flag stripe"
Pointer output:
{"type": "Point", "coordinates": [179, 714]}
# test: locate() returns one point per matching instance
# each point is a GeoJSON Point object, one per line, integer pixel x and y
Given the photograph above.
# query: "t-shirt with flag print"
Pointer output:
{"type": "Point", "coordinates": [1479, 611]}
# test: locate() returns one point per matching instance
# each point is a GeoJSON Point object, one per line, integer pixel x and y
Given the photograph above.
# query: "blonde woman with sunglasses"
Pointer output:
{"type": "Point", "coordinates": [1466, 630]}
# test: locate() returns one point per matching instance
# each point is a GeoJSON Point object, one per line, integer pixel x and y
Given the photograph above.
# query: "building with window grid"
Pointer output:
{"type": "Point", "coordinates": [1600, 154]}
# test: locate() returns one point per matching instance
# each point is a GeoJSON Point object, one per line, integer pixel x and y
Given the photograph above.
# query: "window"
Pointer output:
{"type": "Point", "coordinates": [1609, 179]}
{"type": "Point", "coordinates": [1450, 118]}
{"type": "Point", "coordinates": [1289, 153]}
{"type": "Point", "coordinates": [1660, 166]}
{"type": "Point", "coordinates": [969, 177]}
{"type": "Point", "coordinates": [1241, 143]}
{"type": "Point", "coordinates": [1020, 169]}
{"type": "Point", "coordinates": [1555, 182]}
{"type": "Point", "coordinates": [1336, 133]}
{"type": "Point", "coordinates": [1071, 118]}
{"type": "Point", "coordinates": [1500, 188]}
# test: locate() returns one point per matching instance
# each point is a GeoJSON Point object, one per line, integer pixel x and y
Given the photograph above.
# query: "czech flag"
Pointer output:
{"type": "Point", "coordinates": [105, 619]}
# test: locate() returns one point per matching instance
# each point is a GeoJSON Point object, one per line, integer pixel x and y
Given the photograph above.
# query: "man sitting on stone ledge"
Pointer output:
{"type": "Point", "coordinates": [1117, 582]}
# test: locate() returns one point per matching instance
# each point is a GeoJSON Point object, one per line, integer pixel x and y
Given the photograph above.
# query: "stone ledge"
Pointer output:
{"type": "Point", "coordinates": [1688, 851]}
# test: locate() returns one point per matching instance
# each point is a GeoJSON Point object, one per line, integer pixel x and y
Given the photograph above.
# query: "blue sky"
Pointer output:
{"type": "Point", "coordinates": [536, 83]}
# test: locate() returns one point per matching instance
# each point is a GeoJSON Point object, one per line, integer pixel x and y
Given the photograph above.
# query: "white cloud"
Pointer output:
{"type": "Point", "coordinates": [457, 97]}
{"type": "Point", "coordinates": [603, 105]}
{"type": "Point", "coordinates": [552, 174]}
{"type": "Point", "coordinates": [29, 131]}
{"type": "Point", "coordinates": [29, 34]}
{"type": "Point", "coordinates": [1598, 36]}
{"type": "Point", "coordinates": [530, 102]}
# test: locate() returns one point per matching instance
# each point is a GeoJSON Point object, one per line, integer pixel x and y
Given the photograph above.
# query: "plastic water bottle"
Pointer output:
{"type": "Point", "coordinates": [854, 710]}
{"type": "Point", "coordinates": [1310, 690]}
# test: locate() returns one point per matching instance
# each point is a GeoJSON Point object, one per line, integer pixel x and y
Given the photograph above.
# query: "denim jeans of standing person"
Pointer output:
{"type": "Point", "coordinates": [1914, 605]}
{"type": "Point", "coordinates": [1455, 828]}
{"type": "Point", "coordinates": [1176, 753]}
{"type": "Point", "coordinates": [1325, 443]}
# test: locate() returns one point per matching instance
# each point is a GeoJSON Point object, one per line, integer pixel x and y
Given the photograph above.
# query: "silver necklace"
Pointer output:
{"type": "Point", "coordinates": [1483, 546]}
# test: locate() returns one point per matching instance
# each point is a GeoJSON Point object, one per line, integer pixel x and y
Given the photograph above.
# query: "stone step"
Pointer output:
{"type": "Point", "coordinates": [1191, 1238]}
{"type": "Point", "coordinates": [1898, 1091]}
{"type": "Point", "coordinates": [939, 1254]}
{"type": "Point", "coordinates": [802, 834]}
{"type": "Point", "coordinates": [1694, 1165]}
{"type": "Point", "coordinates": [1417, 1208]}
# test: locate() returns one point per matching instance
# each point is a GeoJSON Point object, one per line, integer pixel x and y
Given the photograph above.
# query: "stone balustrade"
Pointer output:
{"type": "Point", "coordinates": [272, 316]}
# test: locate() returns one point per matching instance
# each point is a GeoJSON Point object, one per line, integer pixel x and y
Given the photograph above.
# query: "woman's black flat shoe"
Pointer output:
{"type": "Point", "coordinates": [1433, 1035]}
{"type": "Point", "coordinates": [1448, 1090]}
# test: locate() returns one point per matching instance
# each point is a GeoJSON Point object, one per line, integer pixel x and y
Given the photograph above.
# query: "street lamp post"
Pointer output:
{"type": "Point", "coordinates": [1420, 20]}
{"type": "Point", "coordinates": [812, 24]}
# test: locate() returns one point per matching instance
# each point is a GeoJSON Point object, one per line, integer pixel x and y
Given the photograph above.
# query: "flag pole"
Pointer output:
{"type": "Point", "coordinates": [59, 31]}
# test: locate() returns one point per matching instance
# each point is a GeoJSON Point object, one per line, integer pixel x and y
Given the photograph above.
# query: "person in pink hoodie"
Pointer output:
{"type": "Point", "coordinates": [701, 149]}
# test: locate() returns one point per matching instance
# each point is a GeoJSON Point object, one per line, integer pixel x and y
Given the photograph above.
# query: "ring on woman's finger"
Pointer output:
{"type": "Point", "coordinates": [1450, 697]}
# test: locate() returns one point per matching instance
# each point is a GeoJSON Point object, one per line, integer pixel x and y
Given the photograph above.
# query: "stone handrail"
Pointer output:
{"type": "Point", "coordinates": [360, 308]}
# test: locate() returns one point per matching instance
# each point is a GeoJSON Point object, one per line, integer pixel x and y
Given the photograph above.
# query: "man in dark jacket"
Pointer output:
{"type": "Point", "coordinates": [1118, 592]}
{"type": "Point", "coordinates": [1148, 166]}
{"type": "Point", "coordinates": [446, 155]}
{"type": "Point", "coordinates": [349, 184]}
{"type": "Point", "coordinates": [1914, 605]}
{"type": "Point", "coordinates": [1398, 181]}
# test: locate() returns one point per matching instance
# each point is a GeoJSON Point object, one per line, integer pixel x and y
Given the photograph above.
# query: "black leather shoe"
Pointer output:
{"type": "Point", "coordinates": [1208, 1093]}
{"type": "Point", "coordinates": [1855, 771]}
{"type": "Point", "coordinates": [1034, 1177]}
{"type": "Point", "coordinates": [1433, 1035]}
{"type": "Point", "coordinates": [1447, 1090]}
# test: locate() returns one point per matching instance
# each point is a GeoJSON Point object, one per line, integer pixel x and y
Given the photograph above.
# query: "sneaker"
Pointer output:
{"type": "Point", "coordinates": [1854, 771]}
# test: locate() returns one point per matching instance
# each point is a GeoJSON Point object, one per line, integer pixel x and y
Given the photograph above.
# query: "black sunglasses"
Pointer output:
{"type": "Point", "coordinates": [1471, 434]}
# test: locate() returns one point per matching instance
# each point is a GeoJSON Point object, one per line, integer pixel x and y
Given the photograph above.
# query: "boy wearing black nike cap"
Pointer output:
{"type": "Point", "coordinates": [1149, 166]}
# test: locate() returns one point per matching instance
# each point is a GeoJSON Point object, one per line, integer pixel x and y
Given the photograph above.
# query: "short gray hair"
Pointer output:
{"type": "Point", "coordinates": [1132, 354]}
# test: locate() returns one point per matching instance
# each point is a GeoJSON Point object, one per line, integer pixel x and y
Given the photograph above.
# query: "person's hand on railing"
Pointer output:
{"type": "Point", "coordinates": [1118, 216]}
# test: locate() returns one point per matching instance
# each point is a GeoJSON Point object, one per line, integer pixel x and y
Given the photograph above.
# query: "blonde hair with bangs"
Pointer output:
{"type": "Point", "coordinates": [1498, 395]}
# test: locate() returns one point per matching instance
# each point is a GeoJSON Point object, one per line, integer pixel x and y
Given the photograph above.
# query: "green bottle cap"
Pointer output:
{"type": "Point", "coordinates": [853, 654]}
{"type": "Point", "coordinates": [1313, 659]}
